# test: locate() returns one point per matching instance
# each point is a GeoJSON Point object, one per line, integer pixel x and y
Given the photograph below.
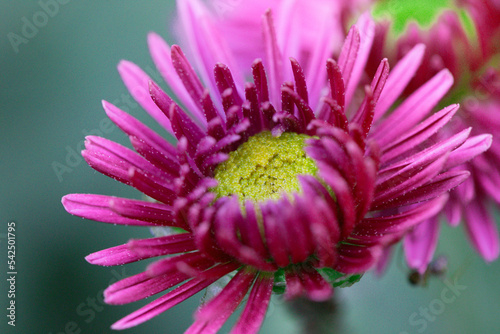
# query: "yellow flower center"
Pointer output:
{"type": "Point", "coordinates": [264, 167]}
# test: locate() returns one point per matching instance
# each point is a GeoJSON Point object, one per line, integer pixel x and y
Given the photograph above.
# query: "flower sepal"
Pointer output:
{"type": "Point", "coordinates": [338, 279]}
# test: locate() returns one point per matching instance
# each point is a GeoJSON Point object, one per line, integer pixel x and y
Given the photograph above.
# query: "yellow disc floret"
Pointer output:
{"type": "Point", "coordinates": [264, 167]}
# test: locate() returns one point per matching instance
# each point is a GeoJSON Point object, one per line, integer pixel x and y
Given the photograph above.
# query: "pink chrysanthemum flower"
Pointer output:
{"type": "Point", "coordinates": [475, 68]}
{"type": "Point", "coordinates": [267, 186]}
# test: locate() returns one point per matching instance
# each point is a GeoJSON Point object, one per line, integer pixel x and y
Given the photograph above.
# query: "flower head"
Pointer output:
{"type": "Point", "coordinates": [474, 64]}
{"type": "Point", "coordinates": [271, 184]}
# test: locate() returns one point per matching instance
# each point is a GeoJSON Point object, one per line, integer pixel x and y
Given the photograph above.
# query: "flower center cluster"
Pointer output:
{"type": "Point", "coordinates": [264, 167]}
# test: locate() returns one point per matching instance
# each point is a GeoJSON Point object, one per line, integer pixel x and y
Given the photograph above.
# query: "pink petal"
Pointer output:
{"type": "Point", "coordinates": [273, 61]}
{"type": "Point", "coordinates": [426, 155]}
{"type": "Point", "coordinates": [366, 28]}
{"type": "Point", "coordinates": [408, 179]}
{"type": "Point", "coordinates": [353, 259]}
{"type": "Point", "coordinates": [204, 41]}
{"type": "Point", "coordinates": [96, 207]}
{"type": "Point", "coordinates": [413, 109]}
{"type": "Point", "coordinates": [160, 52]}
{"type": "Point", "coordinates": [255, 310]}
{"type": "Point", "coordinates": [140, 286]}
{"type": "Point", "coordinates": [419, 133]}
{"type": "Point", "coordinates": [137, 82]}
{"type": "Point", "coordinates": [436, 187]}
{"type": "Point", "coordinates": [471, 148]}
{"type": "Point", "coordinates": [113, 256]}
{"type": "Point", "coordinates": [166, 245]}
{"type": "Point", "coordinates": [420, 244]}
{"type": "Point", "coordinates": [373, 229]}
{"type": "Point", "coordinates": [229, 298]}
{"type": "Point", "coordinates": [173, 298]}
{"type": "Point", "coordinates": [187, 263]}
{"type": "Point", "coordinates": [398, 79]}
{"type": "Point", "coordinates": [133, 127]}
{"type": "Point", "coordinates": [482, 230]}
{"type": "Point", "coordinates": [348, 55]}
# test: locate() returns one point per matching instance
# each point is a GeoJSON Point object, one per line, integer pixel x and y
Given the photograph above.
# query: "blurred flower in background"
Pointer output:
{"type": "Point", "coordinates": [294, 167]}
{"type": "Point", "coordinates": [466, 40]}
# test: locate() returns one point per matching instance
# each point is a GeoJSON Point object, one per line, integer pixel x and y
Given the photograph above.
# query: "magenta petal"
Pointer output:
{"type": "Point", "coordinates": [436, 187]}
{"type": "Point", "coordinates": [260, 80]}
{"type": "Point", "coordinates": [225, 222]}
{"type": "Point", "coordinates": [250, 233]}
{"type": "Point", "coordinates": [305, 114]}
{"type": "Point", "coordinates": [113, 256]}
{"type": "Point", "coordinates": [298, 239]}
{"type": "Point", "coordinates": [157, 213]}
{"type": "Point", "coordinates": [383, 261]}
{"type": "Point", "coordinates": [413, 109]}
{"type": "Point", "coordinates": [140, 286]}
{"type": "Point", "coordinates": [354, 259]}
{"type": "Point", "coordinates": [364, 115]}
{"type": "Point", "coordinates": [204, 40]}
{"type": "Point", "coordinates": [408, 179]}
{"type": "Point", "coordinates": [419, 133]}
{"type": "Point", "coordinates": [167, 163]}
{"type": "Point", "coordinates": [376, 228]}
{"type": "Point", "coordinates": [255, 310]}
{"type": "Point", "coordinates": [343, 195]}
{"type": "Point", "coordinates": [182, 124]}
{"type": "Point", "coordinates": [294, 286]}
{"type": "Point", "coordinates": [115, 160]}
{"type": "Point", "coordinates": [160, 52]}
{"type": "Point", "coordinates": [133, 127]}
{"type": "Point", "coordinates": [306, 281]}
{"type": "Point", "coordinates": [453, 211]}
{"type": "Point", "coordinates": [211, 326]}
{"type": "Point", "coordinates": [173, 298]}
{"type": "Point", "coordinates": [137, 83]}
{"type": "Point", "coordinates": [229, 298]}
{"type": "Point", "coordinates": [187, 75]}
{"type": "Point", "coordinates": [427, 155]}
{"type": "Point", "coordinates": [170, 244]}
{"type": "Point", "coordinates": [366, 28]}
{"type": "Point", "coordinates": [471, 148]}
{"type": "Point", "coordinates": [398, 79]}
{"type": "Point", "coordinates": [275, 234]}
{"type": "Point", "coordinates": [97, 207]}
{"type": "Point", "coordinates": [148, 186]}
{"type": "Point", "coordinates": [325, 249]}
{"type": "Point", "coordinates": [348, 54]}
{"type": "Point", "coordinates": [316, 287]}
{"type": "Point", "coordinates": [333, 111]}
{"type": "Point", "coordinates": [300, 80]}
{"type": "Point", "coordinates": [336, 82]}
{"type": "Point", "coordinates": [420, 244]}
{"type": "Point", "coordinates": [482, 230]}
{"type": "Point", "coordinates": [187, 263]}
{"type": "Point", "coordinates": [224, 81]}
{"type": "Point", "coordinates": [162, 304]}
{"type": "Point", "coordinates": [273, 59]}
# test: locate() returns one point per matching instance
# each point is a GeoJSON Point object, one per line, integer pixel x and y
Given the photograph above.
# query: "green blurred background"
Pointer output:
{"type": "Point", "coordinates": [50, 93]}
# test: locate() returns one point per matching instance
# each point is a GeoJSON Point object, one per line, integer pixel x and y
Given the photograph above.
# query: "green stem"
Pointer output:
{"type": "Point", "coordinates": [317, 317]}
